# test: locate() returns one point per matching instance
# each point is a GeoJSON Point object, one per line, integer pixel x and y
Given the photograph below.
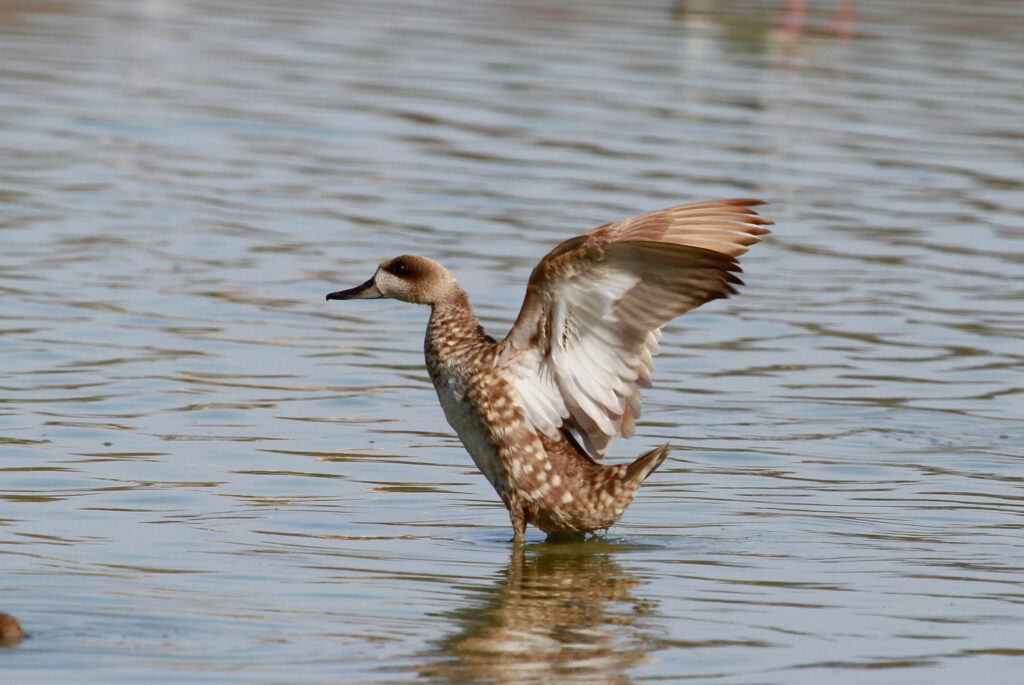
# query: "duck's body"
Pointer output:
{"type": "Point", "coordinates": [537, 410]}
{"type": "Point", "coordinates": [547, 481]}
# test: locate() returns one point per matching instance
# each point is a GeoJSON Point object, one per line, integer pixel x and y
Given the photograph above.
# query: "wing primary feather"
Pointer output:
{"type": "Point", "coordinates": [583, 344]}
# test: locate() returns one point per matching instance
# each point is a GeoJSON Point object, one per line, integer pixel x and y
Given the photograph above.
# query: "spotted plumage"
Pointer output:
{"type": "Point", "coordinates": [538, 410]}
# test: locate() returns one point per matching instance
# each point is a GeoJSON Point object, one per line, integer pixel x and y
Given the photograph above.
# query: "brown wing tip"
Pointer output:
{"type": "Point", "coordinates": [737, 206]}
{"type": "Point", "coordinates": [746, 204]}
{"type": "Point", "coordinates": [742, 202]}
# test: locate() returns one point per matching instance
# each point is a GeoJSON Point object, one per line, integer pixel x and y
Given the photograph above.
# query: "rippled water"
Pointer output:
{"type": "Point", "coordinates": [211, 475]}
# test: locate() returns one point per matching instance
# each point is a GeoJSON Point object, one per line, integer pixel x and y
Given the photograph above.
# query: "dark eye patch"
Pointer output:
{"type": "Point", "coordinates": [399, 268]}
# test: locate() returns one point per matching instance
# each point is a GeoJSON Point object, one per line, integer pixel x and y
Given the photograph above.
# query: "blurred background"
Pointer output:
{"type": "Point", "coordinates": [208, 474]}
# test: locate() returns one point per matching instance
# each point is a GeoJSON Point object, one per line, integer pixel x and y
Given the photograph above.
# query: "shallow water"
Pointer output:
{"type": "Point", "coordinates": [211, 475]}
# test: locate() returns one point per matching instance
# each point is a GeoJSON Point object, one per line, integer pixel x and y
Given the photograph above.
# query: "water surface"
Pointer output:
{"type": "Point", "coordinates": [211, 475]}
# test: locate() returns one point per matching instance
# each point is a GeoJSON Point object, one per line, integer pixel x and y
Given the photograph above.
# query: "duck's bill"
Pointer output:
{"type": "Point", "coordinates": [366, 291]}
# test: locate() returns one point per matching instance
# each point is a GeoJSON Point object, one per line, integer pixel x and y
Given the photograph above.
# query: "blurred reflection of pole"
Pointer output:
{"type": "Point", "coordinates": [793, 23]}
{"type": "Point", "coordinates": [795, 11]}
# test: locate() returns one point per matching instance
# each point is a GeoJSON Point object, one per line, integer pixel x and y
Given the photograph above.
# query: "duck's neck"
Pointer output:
{"type": "Point", "coordinates": [454, 333]}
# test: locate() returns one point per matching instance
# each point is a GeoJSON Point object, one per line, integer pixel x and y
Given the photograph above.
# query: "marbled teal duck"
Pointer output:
{"type": "Point", "coordinates": [538, 410]}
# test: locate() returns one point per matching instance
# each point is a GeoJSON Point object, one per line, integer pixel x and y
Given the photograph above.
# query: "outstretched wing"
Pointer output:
{"type": "Point", "coordinates": [583, 344]}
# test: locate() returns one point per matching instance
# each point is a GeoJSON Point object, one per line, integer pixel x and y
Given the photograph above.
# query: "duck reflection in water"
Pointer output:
{"type": "Point", "coordinates": [565, 610]}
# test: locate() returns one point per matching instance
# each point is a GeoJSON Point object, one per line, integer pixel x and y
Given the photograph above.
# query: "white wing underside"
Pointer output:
{"type": "Point", "coordinates": [582, 347]}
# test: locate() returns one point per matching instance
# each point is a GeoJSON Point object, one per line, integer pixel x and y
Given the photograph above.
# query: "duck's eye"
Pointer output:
{"type": "Point", "coordinates": [399, 269]}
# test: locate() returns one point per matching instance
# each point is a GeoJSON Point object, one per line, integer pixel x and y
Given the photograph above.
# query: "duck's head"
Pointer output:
{"type": "Point", "coordinates": [408, 278]}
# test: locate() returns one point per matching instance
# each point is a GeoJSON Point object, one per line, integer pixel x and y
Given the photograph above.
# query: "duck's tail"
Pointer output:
{"type": "Point", "coordinates": [646, 464]}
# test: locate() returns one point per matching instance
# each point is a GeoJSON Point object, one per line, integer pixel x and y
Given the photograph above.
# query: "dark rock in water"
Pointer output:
{"type": "Point", "coordinates": [10, 630]}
